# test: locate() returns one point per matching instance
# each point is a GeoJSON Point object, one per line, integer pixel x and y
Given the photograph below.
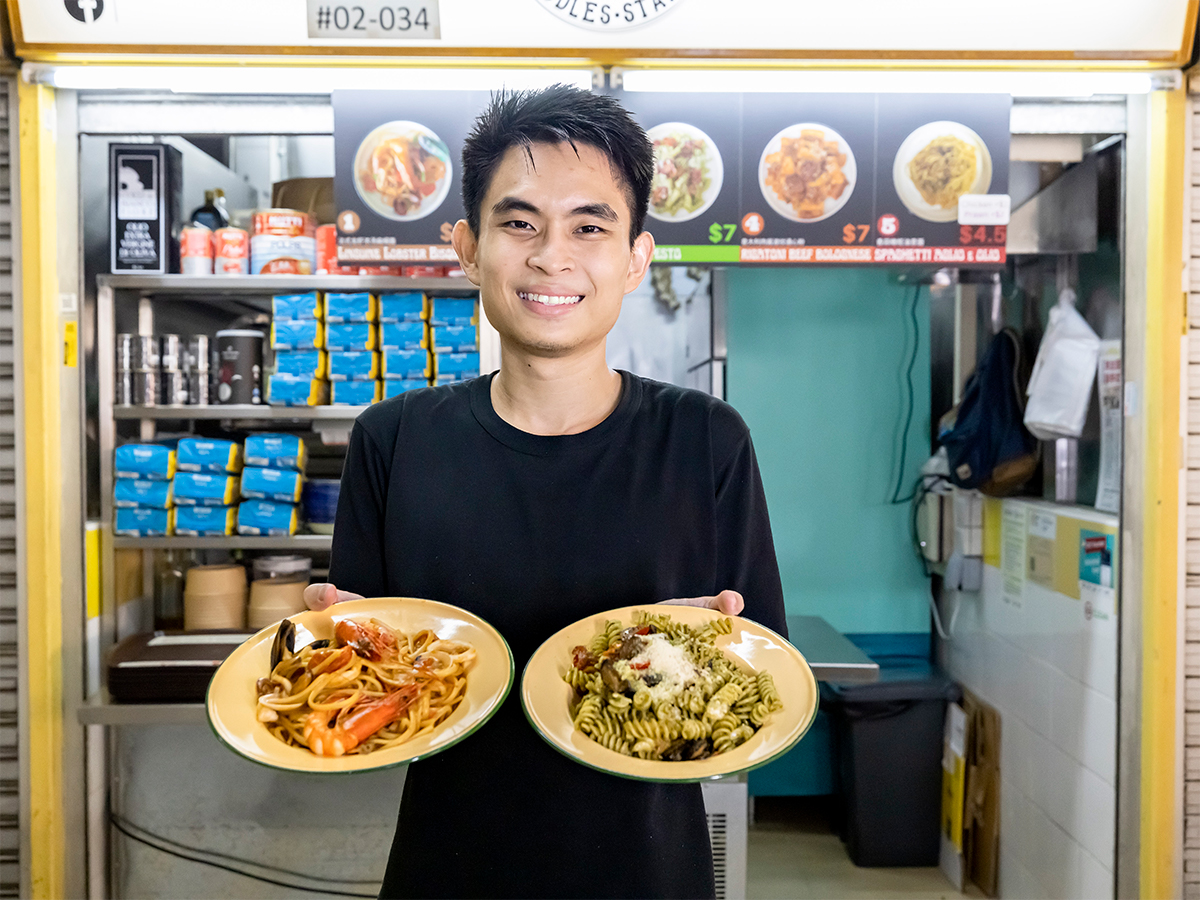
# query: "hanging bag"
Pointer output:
{"type": "Point", "coordinates": [1060, 387]}
{"type": "Point", "coordinates": [988, 447]}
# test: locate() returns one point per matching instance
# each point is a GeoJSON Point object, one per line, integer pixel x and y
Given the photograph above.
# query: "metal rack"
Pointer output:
{"type": "Point", "coordinates": [216, 290]}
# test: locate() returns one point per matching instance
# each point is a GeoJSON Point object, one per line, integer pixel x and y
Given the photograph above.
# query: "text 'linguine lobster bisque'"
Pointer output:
{"type": "Point", "coordinates": [368, 689]}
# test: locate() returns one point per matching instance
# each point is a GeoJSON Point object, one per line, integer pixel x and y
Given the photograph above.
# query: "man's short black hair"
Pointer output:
{"type": "Point", "coordinates": [556, 115]}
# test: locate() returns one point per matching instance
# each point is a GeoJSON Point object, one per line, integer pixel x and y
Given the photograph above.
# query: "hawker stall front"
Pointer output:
{"type": "Point", "coordinates": [235, 237]}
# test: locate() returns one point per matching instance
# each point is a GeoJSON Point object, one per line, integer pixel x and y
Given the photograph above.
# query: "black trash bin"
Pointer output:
{"type": "Point", "coordinates": [888, 741]}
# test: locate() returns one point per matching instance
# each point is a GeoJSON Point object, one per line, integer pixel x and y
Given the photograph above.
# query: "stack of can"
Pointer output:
{"type": "Point", "coordinates": [173, 374]}
{"type": "Point", "coordinates": [155, 370]}
{"type": "Point", "coordinates": [137, 370]}
{"type": "Point", "coordinates": [199, 368]}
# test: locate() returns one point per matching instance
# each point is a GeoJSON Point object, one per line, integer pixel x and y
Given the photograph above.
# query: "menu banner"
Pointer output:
{"type": "Point", "coordinates": [740, 179]}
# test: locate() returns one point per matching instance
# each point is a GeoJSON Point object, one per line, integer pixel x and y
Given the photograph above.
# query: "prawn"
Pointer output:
{"type": "Point", "coordinates": [355, 726]}
{"type": "Point", "coordinates": [366, 639]}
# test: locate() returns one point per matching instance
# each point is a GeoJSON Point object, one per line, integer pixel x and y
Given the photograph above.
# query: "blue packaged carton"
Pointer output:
{"type": "Point", "coordinates": [204, 489]}
{"type": "Point", "coordinates": [204, 455]}
{"type": "Point", "coordinates": [276, 451]}
{"type": "Point", "coordinates": [142, 521]}
{"type": "Point", "coordinates": [395, 388]}
{"type": "Point", "coordinates": [263, 517]}
{"type": "Point", "coordinates": [130, 492]}
{"type": "Point", "coordinates": [286, 390]}
{"type": "Point", "coordinates": [355, 393]}
{"type": "Point", "coordinates": [402, 307]}
{"type": "Point", "coordinates": [453, 338]}
{"type": "Point", "coordinates": [405, 364]}
{"type": "Point", "coordinates": [353, 365]}
{"type": "Point", "coordinates": [302, 363]}
{"type": "Point", "coordinates": [150, 461]}
{"type": "Point", "coordinates": [453, 311]}
{"type": "Point", "coordinates": [402, 335]}
{"type": "Point", "coordinates": [350, 336]}
{"type": "Point", "coordinates": [282, 485]}
{"type": "Point", "coordinates": [206, 521]}
{"type": "Point", "coordinates": [456, 366]}
{"type": "Point", "coordinates": [360, 307]}
{"type": "Point", "coordinates": [296, 307]}
{"type": "Point", "coordinates": [299, 334]}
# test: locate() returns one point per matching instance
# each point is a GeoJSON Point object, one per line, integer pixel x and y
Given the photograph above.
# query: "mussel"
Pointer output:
{"type": "Point", "coordinates": [284, 645]}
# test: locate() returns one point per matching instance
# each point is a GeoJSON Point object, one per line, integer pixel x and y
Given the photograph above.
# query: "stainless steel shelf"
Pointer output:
{"type": "Point", "coordinates": [99, 709]}
{"type": "Point", "coordinates": [233, 542]}
{"type": "Point", "coordinates": [242, 411]}
{"type": "Point", "coordinates": [209, 285]}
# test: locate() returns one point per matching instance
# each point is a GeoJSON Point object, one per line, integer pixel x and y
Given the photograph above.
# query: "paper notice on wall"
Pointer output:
{"type": "Point", "coordinates": [1109, 379]}
{"type": "Point", "coordinates": [1043, 527]}
{"type": "Point", "coordinates": [1013, 539]}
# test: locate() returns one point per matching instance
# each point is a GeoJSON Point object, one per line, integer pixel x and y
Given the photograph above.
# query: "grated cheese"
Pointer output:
{"type": "Point", "coordinates": [672, 664]}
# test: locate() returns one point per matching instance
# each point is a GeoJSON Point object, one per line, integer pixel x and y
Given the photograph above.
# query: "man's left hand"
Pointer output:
{"type": "Point", "coordinates": [728, 602]}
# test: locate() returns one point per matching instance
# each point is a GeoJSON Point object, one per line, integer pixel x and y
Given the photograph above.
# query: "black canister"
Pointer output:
{"type": "Point", "coordinates": [199, 387]}
{"type": "Point", "coordinates": [174, 388]}
{"type": "Point", "coordinates": [239, 367]}
{"type": "Point", "coordinates": [171, 353]}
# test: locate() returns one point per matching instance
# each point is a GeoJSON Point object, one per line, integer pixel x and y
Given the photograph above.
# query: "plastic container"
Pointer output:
{"type": "Point", "coordinates": [888, 746]}
{"type": "Point", "coordinates": [283, 568]}
{"type": "Point", "coordinates": [274, 599]}
{"type": "Point", "coordinates": [214, 597]}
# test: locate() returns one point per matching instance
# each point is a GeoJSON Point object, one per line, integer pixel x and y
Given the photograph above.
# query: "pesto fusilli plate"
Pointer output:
{"type": "Point", "coordinates": [583, 716]}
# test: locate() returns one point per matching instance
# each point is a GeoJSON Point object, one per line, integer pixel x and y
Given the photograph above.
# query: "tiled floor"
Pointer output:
{"type": "Point", "coordinates": [795, 854]}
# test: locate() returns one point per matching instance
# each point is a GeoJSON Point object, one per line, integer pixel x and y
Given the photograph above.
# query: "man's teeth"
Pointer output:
{"type": "Point", "coordinates": [550, 299]}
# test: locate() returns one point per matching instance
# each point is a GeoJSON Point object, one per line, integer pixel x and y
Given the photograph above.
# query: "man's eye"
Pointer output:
{"type": "Point", "coordinates": [518, 224]}
{"type": "Point", "coordinates": [591, 229]}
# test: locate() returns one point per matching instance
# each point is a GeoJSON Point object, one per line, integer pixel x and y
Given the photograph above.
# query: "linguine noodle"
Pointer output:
{"type": "Point", "coordinates": [371, 689]}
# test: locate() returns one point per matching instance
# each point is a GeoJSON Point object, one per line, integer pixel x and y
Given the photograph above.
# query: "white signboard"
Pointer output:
{"type": "Point", "coordinates": [1113, 29]}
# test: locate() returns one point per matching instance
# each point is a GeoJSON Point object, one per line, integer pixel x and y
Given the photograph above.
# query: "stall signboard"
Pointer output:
{"type": "Point", "coordinates": [740, 179]}
{"type": "Point", "coordinates": [614, 30]}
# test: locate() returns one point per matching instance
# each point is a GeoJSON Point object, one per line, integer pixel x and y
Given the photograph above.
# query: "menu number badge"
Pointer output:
{"type": "Point", "coordinates": [372, 20]}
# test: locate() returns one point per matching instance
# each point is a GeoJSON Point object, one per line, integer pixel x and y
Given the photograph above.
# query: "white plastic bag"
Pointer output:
{"type": "Point", "coordinates": [1061, 384]}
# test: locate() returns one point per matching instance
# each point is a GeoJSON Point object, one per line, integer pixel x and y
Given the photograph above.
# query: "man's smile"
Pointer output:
{"type": "Point", "coordinates": [550, 299]}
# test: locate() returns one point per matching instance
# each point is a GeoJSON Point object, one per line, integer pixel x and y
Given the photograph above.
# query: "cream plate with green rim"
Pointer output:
{"type": "Point", "coordinates": [753, 648]}
{"type": "Point", "coordinates": [232, 700]}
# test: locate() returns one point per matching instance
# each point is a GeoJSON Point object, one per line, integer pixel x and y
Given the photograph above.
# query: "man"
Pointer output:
{"type": "Point", "coordinates": [552, 491]}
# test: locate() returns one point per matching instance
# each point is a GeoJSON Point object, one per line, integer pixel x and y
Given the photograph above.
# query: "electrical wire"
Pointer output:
{"type": "Point", "coordinates": [190, 854]}
{"type": "Point", "coordinates": [923, 487]}
{"type": "Point", "coordinates": [912, 362]}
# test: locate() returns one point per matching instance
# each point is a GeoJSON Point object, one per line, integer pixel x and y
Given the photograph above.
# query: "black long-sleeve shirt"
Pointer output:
{"type": "Point", "coordinates": [442, 499]}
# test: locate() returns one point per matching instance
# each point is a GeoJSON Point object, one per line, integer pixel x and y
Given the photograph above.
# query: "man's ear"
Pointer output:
{"type": "Point", "coordinates": [466, 245]}
{"type": "Point", "coordinates": [639, 260]}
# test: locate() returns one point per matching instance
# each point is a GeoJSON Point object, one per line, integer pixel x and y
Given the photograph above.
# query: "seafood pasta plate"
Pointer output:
{"type": "Point", "coordinates": [366, 684]}
{"type": "Point", "coordinates": [669, 693]}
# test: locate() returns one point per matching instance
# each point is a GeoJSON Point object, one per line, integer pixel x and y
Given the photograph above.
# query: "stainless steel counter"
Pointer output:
{"type": "Point", "coordinates": [830, 654]}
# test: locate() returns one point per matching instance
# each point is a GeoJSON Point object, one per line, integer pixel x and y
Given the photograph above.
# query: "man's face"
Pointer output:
{"type": "Point", "coordinates": [552, 258]}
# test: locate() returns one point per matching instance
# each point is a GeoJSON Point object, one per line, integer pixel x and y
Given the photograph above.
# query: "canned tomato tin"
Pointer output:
{"type": "Point", "coordinates": [195, 250]}
{"type": "Point", "coordinates": [240, 363]}
{"type": "Point", "coordinates": [271, 254]}
{"type": "Point", "coordinates": [174, 388]}
{"type": "Point", "coordinates": [145, 387]}
{"type": "Point", "coordinates": [126, 350]}
{"type": "Point", "coordinates": [284, 223]}
{"type": "Point", "coordinates": [231, 251]}
{"type": "Point", "coordinates": [170, 352]}
{"type": "Point", "coordinates": [326, 249]}
{"type": "Point", "coordinates": [123, 394]}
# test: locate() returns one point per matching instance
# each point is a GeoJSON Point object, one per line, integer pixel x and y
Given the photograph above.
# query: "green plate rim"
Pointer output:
{"type": "Point", "coordinates": [683, 779]}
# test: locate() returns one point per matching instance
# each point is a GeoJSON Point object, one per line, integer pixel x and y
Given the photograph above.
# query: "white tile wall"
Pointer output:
{"type": "Point", "coordinates": [1052, 674]}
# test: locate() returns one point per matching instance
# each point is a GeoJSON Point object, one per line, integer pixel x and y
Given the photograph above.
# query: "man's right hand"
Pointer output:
{"type": "Point", "coordinates": [323, 596]}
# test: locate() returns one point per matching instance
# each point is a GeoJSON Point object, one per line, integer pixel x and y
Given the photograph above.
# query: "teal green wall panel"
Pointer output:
{"type": "Point", "coordinates": [816, 366]}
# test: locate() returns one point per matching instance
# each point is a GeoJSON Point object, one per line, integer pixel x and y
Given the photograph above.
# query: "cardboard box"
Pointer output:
{"type": "Point", "coordinates": [981, 814]}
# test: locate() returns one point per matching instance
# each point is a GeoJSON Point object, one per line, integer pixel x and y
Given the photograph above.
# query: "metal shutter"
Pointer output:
{"type": "Point", "coordinates": [13, 805]}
